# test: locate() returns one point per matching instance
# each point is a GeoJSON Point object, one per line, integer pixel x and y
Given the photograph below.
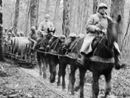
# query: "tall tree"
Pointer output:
{"type": "Point", "coordinates": [66, 17]}
{"type": "Point", "coordinates": [95, 3]}
{"type": "Point", "coordinates": [34, 12]}
{"type": "Point", "coordinates": [117, 10]}
{"type": "Point", "coordinates": [27, 18]}
{"type": "Point", "coordinates": [56, 11]}
{"type": "Point", "coordinates": [79, 12]}
{"type": "Point", "coordinates": [15, 24]}
{"type": "Point", "coordinates": [47, 6]}
{"type": "Point", "coordinates": [1, 30]}
{"type": "Point", "coordinates": [37, 13]}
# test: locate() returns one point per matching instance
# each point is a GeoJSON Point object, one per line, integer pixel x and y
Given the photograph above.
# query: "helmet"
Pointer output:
{"type": "Point", "coordinates": [9, 33]}
{"type": "Point", "coordinates": [62, 36]}
{"type": "Point", "coordinates": [47, 16]}
{"type": "Point", "coordinates": [33, 28]}
{"type": "Point", "coordinates": [102, 5]}
{"type": "Point", "coordinates": [6, 29]}
{"type": "Point", "coordinates": [81, 35]}
{"type": "Point", "coordinates": [21, 33]}
{"type": "Point", "coordinates": [72, 35]}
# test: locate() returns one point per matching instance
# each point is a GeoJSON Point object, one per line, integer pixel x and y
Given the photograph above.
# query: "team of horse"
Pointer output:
{"type": "Point", "coordinates": [59, 50]}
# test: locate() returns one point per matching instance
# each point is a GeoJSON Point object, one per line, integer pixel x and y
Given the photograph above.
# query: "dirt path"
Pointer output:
{"type": "Point", "coordinates": [26, 83]}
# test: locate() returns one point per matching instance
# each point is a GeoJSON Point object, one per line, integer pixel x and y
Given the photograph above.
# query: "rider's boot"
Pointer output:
{"type": "Point", "coordinates": [118, 64]}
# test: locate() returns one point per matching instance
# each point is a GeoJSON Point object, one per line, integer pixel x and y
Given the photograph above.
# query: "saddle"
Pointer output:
{"type": "Point", "coordinates": [95, 42]}
{"type": "Point", "coordinates": [101, 48]}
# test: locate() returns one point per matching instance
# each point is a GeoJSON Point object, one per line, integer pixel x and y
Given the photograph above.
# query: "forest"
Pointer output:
{"type": "Point", "coordinates": [65, 14]}
{"type": "Point", "coordinates": [68, 16]}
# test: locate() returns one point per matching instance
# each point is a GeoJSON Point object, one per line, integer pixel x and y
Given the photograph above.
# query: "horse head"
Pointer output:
{"type": "Point", "coordinates": [69, 40]}
{"type": "Point", "coordinates": [112, 30]}
{"type": "Point", "coordinates": [52, 43]}
{"type": "Point", "coordinates": [51, 31]}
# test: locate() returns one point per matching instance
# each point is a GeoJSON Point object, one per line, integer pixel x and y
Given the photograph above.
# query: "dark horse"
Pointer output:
{"type": "Point", "coordinates": [52, 55]}
{"type": "Point", "coordinates": [100, 63]}
{"type": "Point", "coordinates": [41, 52]}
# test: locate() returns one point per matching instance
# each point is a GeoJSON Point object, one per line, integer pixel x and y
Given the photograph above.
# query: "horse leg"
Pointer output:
{"type": "Point", "coordinates": [40, 67]}
{"type": "Point", "coordinates": [63, 75]}
{"type": "Point", "coordinates": [59, 74]}
{"type": "Point", "coordinates": [44, 64]}
{"type": "Point", "coordinates": [108, 84]}
{"type": "Point", "coordinates": [52, 71]}
{"type": "Point", "coordinates": [95, 85]}
{"type": "Point", "coordinates": [39, 63]}
{"type": "Point", "coordinates": [82, 75]}
{"type": "Point", "coordinates": [72, 79]}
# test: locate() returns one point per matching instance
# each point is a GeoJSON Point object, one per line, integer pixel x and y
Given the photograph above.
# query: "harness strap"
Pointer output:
{"type": "Point", "coordinates": [74, 44]}
{"type": "Point", "coordinates": [55, 43]}
{"type": "Point", "coordinates": [97, 45]}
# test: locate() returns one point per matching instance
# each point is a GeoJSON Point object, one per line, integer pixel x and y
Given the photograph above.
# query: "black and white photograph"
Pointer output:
{"type": "Point", "coordinates": [64, 49]}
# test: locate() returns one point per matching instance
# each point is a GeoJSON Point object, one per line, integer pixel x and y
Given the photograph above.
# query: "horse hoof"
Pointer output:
{"type": "Point", "coordinates": [58, 84]}
{"type": "Point", "coordinates": [72, 92]}
{"type": "Point", "coordinates": [52, 81]}
{"type": "Point", "coordinates": [63, 87]}
{"type": "Point", "coordinates": [44, 76]}
{"type": "Point", "coordinates": [76, 88]}
{"type": "Point", "coordinates": [69, 92]}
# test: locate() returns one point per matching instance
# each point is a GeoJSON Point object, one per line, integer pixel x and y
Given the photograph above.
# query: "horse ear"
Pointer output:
{"type": "Point", "coordinates": [118, 18]}
{"type": "Point", "coordinates": [48, 30]}
{"type": "Point", "coordinates": [54, 31]}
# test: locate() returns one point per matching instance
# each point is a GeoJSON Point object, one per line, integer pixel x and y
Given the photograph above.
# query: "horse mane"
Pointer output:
{"type": "Point", "coordinates": [75, 46]}
{"type": "Point", "coordinates": [55, 45]}
{"type": "Point", "coordinates": [42, 43]}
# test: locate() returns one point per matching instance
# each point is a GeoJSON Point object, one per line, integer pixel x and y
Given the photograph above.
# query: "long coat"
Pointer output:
{"type": "Point", "coordinates": [95, 21]}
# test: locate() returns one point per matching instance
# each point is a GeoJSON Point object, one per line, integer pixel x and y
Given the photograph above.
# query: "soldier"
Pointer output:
{"type": "Point", "coordinates": [46, 24]}
{"type": "Point", "coordinates": [97, 22]}
{"type": "Point", "coordinates": [33, 37]}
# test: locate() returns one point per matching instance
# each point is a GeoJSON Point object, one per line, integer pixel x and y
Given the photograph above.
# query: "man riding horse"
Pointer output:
{"type": "Point", "coordinates": [46, 27]}
{"type": "Point", "coordinates": [46, 24]}
{"type": "Point", "coordinates": [97, 23]}
{"type": "Point", "coordinates": [33, 37]}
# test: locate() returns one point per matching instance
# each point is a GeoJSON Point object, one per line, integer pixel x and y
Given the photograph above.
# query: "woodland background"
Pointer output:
{"type": "Point", "coordinates": [68, 16]}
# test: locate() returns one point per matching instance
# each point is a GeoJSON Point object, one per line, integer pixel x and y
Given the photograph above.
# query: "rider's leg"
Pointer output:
{"type": "Point", "coordinates": [85, 50]}
{"type": "Point", "coordinates": [33, 42]}
{"type": "Point", "coordinates": [34, 45]}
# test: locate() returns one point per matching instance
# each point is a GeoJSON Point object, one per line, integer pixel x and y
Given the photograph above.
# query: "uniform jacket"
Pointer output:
{"type": "Point", "coordinates": [45, 25]}
{"type": "Point", "coordinates": [95, 21]}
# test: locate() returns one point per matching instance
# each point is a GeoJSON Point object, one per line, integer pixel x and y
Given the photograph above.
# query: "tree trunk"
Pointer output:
{"type": "Point", "coordinates": [95, 4]}
{"type": "Point", "coordinates": [15, 25]}
{"type": "Point", "coordinates": [117, 9]}
{"type": "Point", "coordinates": [1, 30]}
{"type": "Point", "coordinates": [34, 12]}
{"type": "Point", "coordinates": [47, 6]}
{"type": "Point", "coordinates": [27, 18]}
{"type": "Point", "coordinates": [37, 13]}
{"type": "Point", "coordinates": [79, 12]}
{"type": "Point", "coordinates": [66, 17]}
{"type": "Point", "coordinates": [56, 11]}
